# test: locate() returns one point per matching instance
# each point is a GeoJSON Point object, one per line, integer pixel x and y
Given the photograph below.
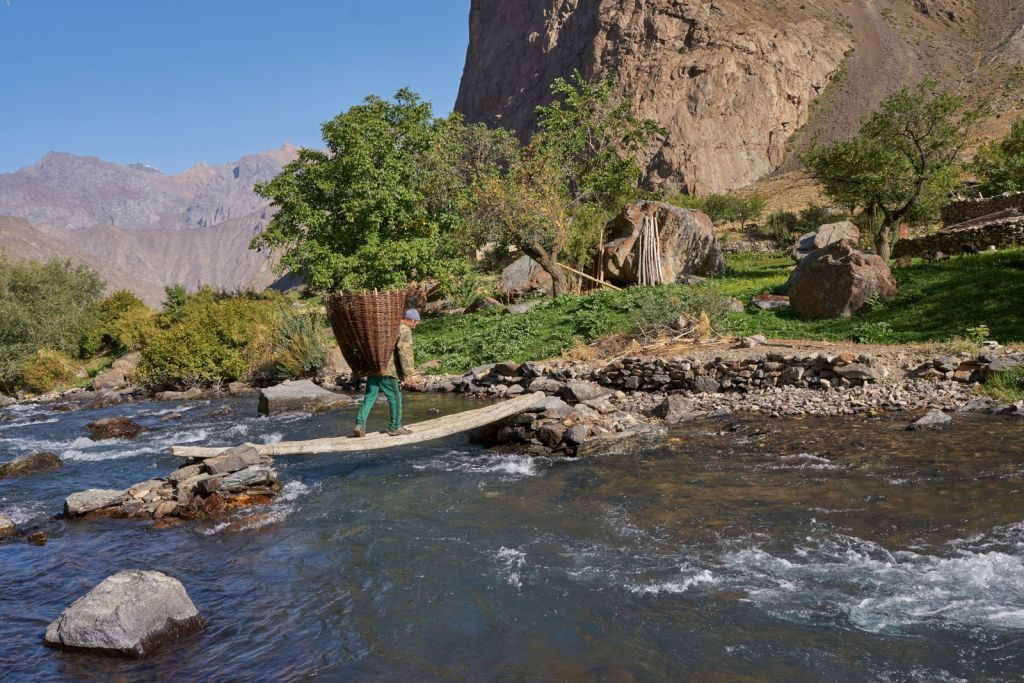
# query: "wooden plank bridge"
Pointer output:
{"type": "Point", "coordinates": [428, 430]}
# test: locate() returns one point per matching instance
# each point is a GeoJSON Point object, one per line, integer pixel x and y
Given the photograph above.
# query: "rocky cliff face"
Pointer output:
{"type": "Point", "coordinates": [141, 229]}
{"type": "Point", "coordinates": [728, 85]}
{"type": "Point", "coordinates": [732, 81]}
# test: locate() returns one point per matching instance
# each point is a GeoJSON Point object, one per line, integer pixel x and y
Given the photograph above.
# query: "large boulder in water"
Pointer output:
{"type": "Point", "coordinates": [688, 244]}
{"type": "Point", "coordinates": [825, 235]}
{"type": "Point", "coordinates": [114, 428]}
{"type": "Point", "coordinates": [128, 614]}
{"type": "Point", "coordinates": [298, 395]}
{"type": "Point", "coordinates": [836, 281]}
{"type": "Point", "coordinates": [30, 464]}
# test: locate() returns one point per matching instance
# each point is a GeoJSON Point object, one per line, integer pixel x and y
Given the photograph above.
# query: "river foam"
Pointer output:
{"type": "Point", "coordinates": [513, 464]}
{"type": "Point", "coordinates": [879, 591]}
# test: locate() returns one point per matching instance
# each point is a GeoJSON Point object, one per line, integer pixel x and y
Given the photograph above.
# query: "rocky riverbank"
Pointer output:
{"type": "Point", "coordinates": [595, 404]}
{"type": "Point", "coordinates": [238, 477]}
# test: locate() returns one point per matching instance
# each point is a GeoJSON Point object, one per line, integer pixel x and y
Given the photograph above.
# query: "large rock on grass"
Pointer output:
{"type": "Point", "coordinates": [335, 368]}
{"type": "Point", "coordinates": [111, 378]}
{"type": "Point", "coordinates": [128, 614]}
{"type": "Point", "coordinates": [128, 363]}
{"type": "Point", "coordinates": [119, 373]}
{"type": "Point", "coordinates": [523, 276]}
{"type": "Point", "coordinates": [825, 235]}
{"type": "Point", "coordinates": [298, 395]}
{"type": "Point", "coordinates": [837, 281]}
{"type": "Point", "coordinates": [687, 240]}
{"type": "Point", "coordinates": [30, 464]}
{"type": "Point", "coordinates": [114, 428]}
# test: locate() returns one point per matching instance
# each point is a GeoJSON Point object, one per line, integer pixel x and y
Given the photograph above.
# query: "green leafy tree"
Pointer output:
{"type": "Point", "coordinates": [554, 194]}
{"type": "Point", "coordinates": [594, 140]}
{"type": "Point", "coordinates": [750, 209]}
{"type": "Point", "coordinates": [174, 297]}
{"type": "Point", "coordinates": [1000, 165]}
{"type": "Point", "coordinates": [43, 306]}
{"type": "Point", "coordinates": [380, 207]}
{"type": "Point", "coordinates": [903, 164]}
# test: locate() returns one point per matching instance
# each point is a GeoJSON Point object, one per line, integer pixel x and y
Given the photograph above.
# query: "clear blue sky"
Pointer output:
{"type": "Point", "coordinates": [175, 82]}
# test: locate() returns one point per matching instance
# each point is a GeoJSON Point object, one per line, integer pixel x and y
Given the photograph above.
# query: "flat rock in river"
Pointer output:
{"type": "Point", "coordinates": [298, 395]}
{"type": "Point", "coordinates": [90, 500]}
{"type": "Point", "coordinates": [127, 614]}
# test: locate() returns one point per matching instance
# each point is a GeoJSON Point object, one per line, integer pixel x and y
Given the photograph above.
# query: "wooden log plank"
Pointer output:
{"type": "Point", "coordinates": [427, 430]}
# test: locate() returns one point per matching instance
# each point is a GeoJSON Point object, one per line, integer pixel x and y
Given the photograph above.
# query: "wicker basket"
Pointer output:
{"type": "Point", "coordinates": [366, 327]}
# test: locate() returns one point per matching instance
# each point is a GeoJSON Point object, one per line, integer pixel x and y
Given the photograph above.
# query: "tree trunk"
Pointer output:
{"type": "Point", "coordinates": [549, 263]}
{"type": "Point", "coordinates": [883, 243]}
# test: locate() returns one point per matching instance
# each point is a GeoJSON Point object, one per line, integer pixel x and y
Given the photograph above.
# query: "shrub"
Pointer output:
{"type": "Point", "coordinates": [724, 208]}
{"type": "Point", "coordinates": [46, 370]}
{"type": "Point", "coordinates": [781, 227]}
{"type": "Point", "coordinates": [213, 338]}
{"type": "Point", "coordinates": [42, 305]}
{"type": "Point", "coordinates": [815, 216]}
{"type": "Point", "coordinates": [299, 346]}
{"type": "Point", "coordinates": [121, 323]}
{"type": "Point", "coordinates": [657, 309]}
{"type": "Point", "coordinates": [785, 226]}
{"type": "Point", "coordinates": [1000, 165]}
{"type": "Point", "coordinates": [875, 333]}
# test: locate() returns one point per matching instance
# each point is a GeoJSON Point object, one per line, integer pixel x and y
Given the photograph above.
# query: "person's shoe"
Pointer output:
{"type": "Point", "coordinates": [359, 430]}
{"type": "Point", "coordinates": [401, 431]}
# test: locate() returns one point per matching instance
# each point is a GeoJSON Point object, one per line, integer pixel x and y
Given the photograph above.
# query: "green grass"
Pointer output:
{"type": "Point", "coordinates": [1006, 386]}
{"type": "Point", "coordinates": [937, 302]}
{"type": "Point", "coordinates": [464, 341]}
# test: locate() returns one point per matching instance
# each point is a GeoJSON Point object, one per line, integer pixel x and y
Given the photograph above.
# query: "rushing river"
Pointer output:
{"type": "Point", "coordinates": [745, 550]}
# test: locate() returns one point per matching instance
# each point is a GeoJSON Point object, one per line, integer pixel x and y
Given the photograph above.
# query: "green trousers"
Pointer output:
{"type": "Point", "coordinates": [392, 392]}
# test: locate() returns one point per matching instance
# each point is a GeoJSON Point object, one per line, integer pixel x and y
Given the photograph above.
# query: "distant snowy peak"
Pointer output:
{"type": "Point", "coordinates": [143, 166]}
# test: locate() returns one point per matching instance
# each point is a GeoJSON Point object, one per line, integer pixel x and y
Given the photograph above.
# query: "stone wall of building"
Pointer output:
{"type": "Point", "coordinates": [964, 210]}
{"type": "Point", "coordinates": [1000, 234]}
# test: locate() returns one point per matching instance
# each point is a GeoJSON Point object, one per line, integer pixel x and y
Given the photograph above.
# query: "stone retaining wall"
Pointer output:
{"type": "Point", "coordinates": [1001, 235]}
{"type": "Point", "coordinates": [969, 209]}
{"type": "Point", "coordinates": [772, 370]}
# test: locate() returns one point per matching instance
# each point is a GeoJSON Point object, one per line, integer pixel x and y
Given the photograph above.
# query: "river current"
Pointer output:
{"type": "Point", "coordinates": [746, 549]}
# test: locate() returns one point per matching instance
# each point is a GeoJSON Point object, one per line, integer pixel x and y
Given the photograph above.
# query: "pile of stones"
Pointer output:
{"type": "Point", "coordinates": [237, 477]}
{"type": "Point", "coordinates": [969, 370]}
{"type": "Point", "coordinates": [583, 419]}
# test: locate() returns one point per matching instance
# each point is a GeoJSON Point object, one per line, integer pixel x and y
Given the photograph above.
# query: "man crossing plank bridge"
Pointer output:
{"type": "Point", "coordinates": [388, 381]}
